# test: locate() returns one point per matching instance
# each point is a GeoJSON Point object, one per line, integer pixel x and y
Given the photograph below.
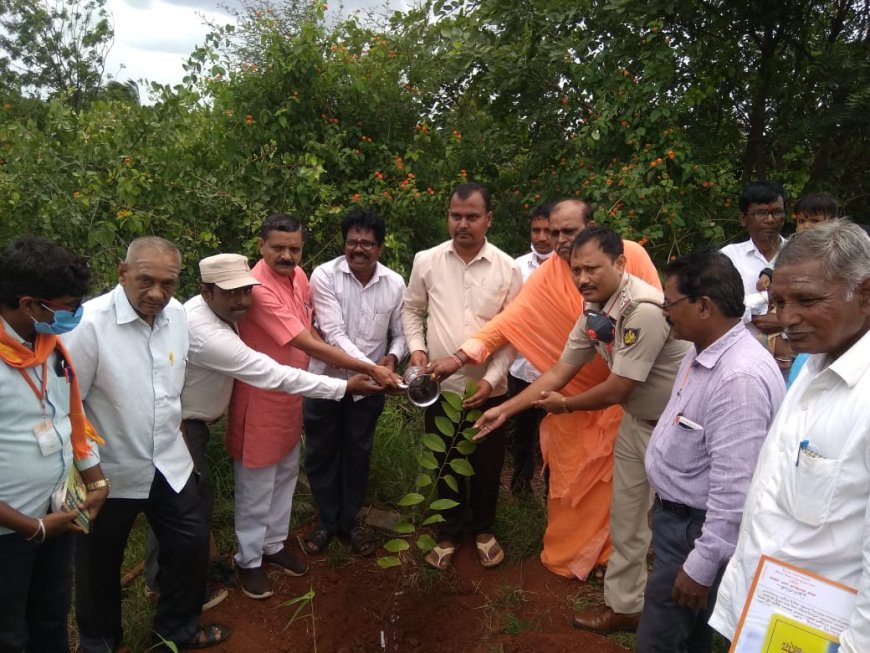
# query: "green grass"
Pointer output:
{"type": "Point", "coordinates": [519, 525]}
{"type": "Point", "coordinates": [393, 469]}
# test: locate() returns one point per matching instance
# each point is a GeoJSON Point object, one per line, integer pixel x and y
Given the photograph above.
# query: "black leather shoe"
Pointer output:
{"type": "Point", "coordinates": [605, 620]}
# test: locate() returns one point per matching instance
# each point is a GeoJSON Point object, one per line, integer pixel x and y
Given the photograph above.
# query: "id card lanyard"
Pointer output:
{"type": "Point", "coordinates": [44, 429]}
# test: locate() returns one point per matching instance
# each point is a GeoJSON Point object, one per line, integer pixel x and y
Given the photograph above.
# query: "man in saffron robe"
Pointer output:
{"type": "Point", "coordinates": [578, 446]}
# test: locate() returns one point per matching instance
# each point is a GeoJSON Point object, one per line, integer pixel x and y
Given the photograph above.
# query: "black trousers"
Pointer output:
{"type": "Point", "coordinates": [525, 446]}
{"type": "Point", "coordinates": [35, 594]}
{"type": "Point", "coordinates": [338, 446]}
{"type": "Point", "coordinates": [197, 435]}
{"type": "Point", "coordinates": [666, 627]}
{"type": "Point", "coordinates": [477, 498]}
{"type": "Point", "coordinates": [178, 522]}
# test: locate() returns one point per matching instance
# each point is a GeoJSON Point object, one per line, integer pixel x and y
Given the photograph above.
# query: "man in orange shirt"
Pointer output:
{"type": "Point", "coordinates": [264, 427]}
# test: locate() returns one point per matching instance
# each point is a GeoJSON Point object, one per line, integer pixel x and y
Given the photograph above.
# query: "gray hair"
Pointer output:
{"type": "Point", "coordinates": [155, 243]}
{"type": "Point", "coordinates": [841, 247]}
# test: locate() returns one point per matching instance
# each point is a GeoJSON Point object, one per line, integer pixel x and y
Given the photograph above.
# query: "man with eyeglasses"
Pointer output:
{"type": "Point", "coordinates": [762, 212]}
{"type": "Point", "coordinates": [358, 307]}
{"type": "Point", "coordinates": [703, 450]}
{"type": "Point", "coordinates": [44, 436]}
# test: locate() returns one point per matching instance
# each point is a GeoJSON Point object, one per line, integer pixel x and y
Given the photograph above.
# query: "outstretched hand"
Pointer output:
{"type": "Point", "coordinates": [489, 421]}
{"type": "Point", "coordinates": [484, 389]}
{"type": "Point", "coordinates": [385, 377]}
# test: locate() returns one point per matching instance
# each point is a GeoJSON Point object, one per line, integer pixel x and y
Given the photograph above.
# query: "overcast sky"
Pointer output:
{"type": "Point", "coordinates": [154, 37]}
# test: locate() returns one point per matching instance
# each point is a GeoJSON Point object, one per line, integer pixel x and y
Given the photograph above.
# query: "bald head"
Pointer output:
{"type": "Point", "coordinates": [567, 219]}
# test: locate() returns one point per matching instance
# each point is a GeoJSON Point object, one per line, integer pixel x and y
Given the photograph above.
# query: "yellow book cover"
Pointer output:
{"type": "Point", "coordinates": [75, 495]}
{"type": "Point", "coordinates": [786, 635]}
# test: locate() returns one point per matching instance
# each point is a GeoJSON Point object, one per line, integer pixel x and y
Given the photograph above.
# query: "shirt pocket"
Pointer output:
{"type": "Point", "coordinates": [687, 449]}
{"type": "Point", "coordinates": [813, 484]}
{"type": "Point", "coordinates": [376, 327]}
{"type": "Point", "coordinates": [487, 301]}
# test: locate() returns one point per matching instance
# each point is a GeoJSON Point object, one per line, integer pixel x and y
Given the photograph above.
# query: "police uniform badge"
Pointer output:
{"type": "Point", "coordinates": [630, 336]}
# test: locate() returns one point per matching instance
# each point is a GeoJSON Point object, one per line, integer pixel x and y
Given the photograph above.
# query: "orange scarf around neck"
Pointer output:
{"type": "Point", "coordinates": [16, 355]}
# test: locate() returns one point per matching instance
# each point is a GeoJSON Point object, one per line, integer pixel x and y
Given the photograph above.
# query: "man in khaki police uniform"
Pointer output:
{"type": "Point", "coordinates": [624, 324]}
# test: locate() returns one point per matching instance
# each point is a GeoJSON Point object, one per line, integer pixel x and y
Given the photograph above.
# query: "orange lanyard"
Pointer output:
{"type": "Point", "coordinates": [39, 394]}
{"type": "Point", "coordinates": [686, 376]}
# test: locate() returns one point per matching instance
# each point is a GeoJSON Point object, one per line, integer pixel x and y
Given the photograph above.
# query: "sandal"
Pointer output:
{"type": "Point", "coordinates": [440, 557]}
{"type": "Point", "coordinates": [207, 636]}
{"type": "Point", "coordinates": [362, 542]}
{"type": "Point", "coordinates": [315, 542]}
{"type": "Point", "coordinates": [490, 552]}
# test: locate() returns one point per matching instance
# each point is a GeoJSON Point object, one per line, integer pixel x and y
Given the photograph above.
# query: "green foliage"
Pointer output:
{"type": "Point", "coordinates": [653, 112]}
{"type": "Point", "coordinates": [426, 503]}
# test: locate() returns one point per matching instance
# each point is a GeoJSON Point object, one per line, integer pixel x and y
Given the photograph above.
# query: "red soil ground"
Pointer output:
{"type": "Point", "coordinates": [360, 608]}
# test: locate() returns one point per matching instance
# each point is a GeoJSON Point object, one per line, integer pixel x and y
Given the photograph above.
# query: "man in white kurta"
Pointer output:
{"type": "Point", "coordinates": [809, 502]}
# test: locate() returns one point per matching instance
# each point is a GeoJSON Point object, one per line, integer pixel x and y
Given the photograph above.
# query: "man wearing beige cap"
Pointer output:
{"type": "Point", "coordinates": [217, 356]}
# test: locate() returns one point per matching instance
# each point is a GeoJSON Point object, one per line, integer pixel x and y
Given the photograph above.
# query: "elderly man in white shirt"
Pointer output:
{"type": "Point", "coordinates": [809, 502]}
{"type": "Point", "coordinates": [130, 354]}
{"type": "Point", "coordinates": [216, 357]}
{"type": "Point", "coordinates": [358, 308]}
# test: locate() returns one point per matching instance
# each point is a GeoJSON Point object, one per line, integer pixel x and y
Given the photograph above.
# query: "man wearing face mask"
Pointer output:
{"type": "Point", "coordinates": [624, 324]}
{"type": "Point", "coordinates": [264, 428]}
{"type": "Point", "coordinates": [44, 436]}
{"type": "Point", "coordinates": [526, 448]}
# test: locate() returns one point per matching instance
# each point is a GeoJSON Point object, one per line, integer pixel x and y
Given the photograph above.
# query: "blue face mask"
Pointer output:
{"type": "Point", "coordinates": [64, 321]}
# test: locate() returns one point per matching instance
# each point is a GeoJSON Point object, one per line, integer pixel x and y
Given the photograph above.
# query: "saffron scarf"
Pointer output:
{"type": "Point", "coordinates": [17, 356]}
{"type": "Point", "coordinates": [578, 446]}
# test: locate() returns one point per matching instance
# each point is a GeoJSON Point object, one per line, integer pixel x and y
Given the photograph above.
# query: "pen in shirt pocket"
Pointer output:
{"type": "Point", "coordinates": [807, 450]}
{"type": "Point", "coordinates": [685, 423]}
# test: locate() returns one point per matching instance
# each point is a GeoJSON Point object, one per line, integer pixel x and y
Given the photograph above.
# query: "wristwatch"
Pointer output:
{"type": "Point", "coordinates": [96, 485]}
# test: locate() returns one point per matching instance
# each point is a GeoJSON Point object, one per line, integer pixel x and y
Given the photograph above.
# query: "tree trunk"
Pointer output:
{"type": "Point", "coordinates": [753, 159]}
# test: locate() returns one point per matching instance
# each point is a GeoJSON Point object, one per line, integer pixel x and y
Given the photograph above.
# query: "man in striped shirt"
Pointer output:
{"type": "Point", "coordinates": [358, 308]}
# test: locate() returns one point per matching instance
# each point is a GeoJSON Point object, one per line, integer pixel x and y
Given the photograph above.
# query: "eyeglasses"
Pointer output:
{"type": "Point", "coordinates": [761, 214]}
{"type": "Point", "coordinates": [58, 307]}
{"type": "Point", "coordinates": [666, 305]}
{"type": "Point", "coordinates": [364, 245]}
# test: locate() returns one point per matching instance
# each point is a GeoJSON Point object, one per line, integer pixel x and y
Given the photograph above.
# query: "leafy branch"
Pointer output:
{"type": "Point", "coordinates": [454, 444]}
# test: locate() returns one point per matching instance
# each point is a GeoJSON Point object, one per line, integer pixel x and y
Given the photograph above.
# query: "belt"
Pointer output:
{"type": "Point", "coordinates": [679, 509]}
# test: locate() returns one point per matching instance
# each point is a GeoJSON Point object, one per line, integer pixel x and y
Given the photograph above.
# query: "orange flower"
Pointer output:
{"type": "Point", "coordinates": [249, 119]}
{"type": "Point", "coordinates": [356, 197]}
